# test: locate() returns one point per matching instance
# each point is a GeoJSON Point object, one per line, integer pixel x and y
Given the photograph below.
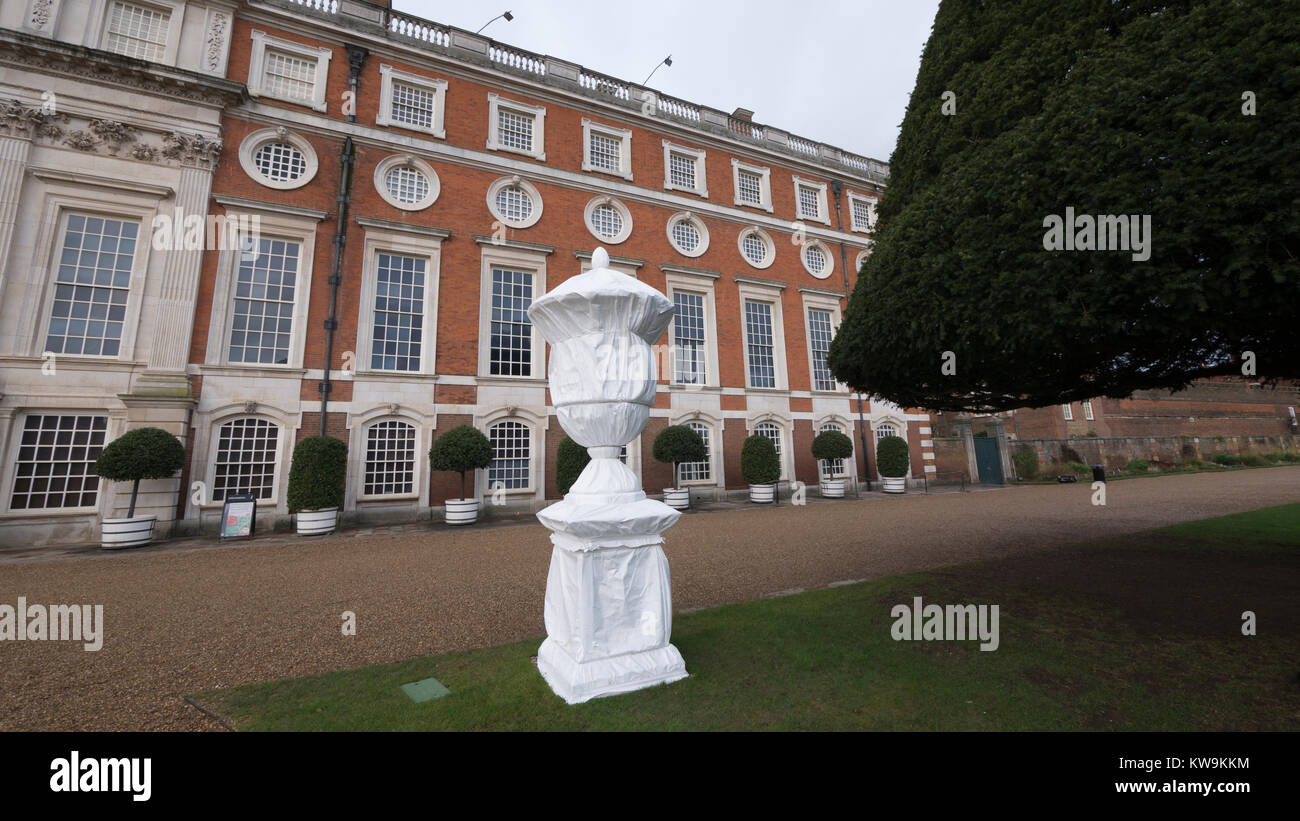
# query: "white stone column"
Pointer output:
{"type": "Point", "coordinates": [609, 605]}
{"type": "Point", "coordinates": [13, 162]}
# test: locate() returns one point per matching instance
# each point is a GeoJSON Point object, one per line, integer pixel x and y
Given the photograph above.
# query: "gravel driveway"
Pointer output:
{"type": "Point", "coordinates": [177, 622]}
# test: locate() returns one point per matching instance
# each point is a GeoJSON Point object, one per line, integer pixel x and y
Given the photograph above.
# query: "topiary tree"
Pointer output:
{"type": "Point", "coordinates": [570, 459]}
{"type": "Point", "coordinates": [143, 453]}
{"type": "Point", "coordinates": [832, 444]}
{"type": "Point", "coordinates": [759, 464]}
{"type": "Point", "coordinates": [676, 444]}
{"type": "Point", "coordinates": [1079, 109]}
{"type": "Point", "coordinates": [892, 457]}
{"type": "Point", "coordinates": [461, 450]}
{"type": "Point", "coordinates": [318, 474]}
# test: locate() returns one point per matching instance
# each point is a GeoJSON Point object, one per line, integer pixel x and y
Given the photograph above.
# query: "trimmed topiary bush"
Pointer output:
{"type": "Point", "coordinates": [1137, 466]}
{"type": "Point", "coordinates": [570, 459]}
{"type": "Point", "coordinates": [143, 453]}
{"type": "Point", "coordinates": [676, 444]}
{"type": "Point", "coordinates": [1079, 468]}
{"type": "Point", "coordinates": [832, 444]}
{"type": "Point", "coordinates": [1225, 459]}
{"type": "Point", "coordinates": [1026, 461]}
{"type": "Point", "coordinates": [318, 473]}
{"type": "Point", "coordinates": [892, 457]}
{"type": "Point", "coordinates": [461, 450]}
{"type": "Point", "coordinates": [1290, 458]}
{"type": "Point", "coordinates": [1274, 457]}
{"type": "Point", "coordinates": [1254, 460]}
{"type": "Point", "coordinates": [759, 464]}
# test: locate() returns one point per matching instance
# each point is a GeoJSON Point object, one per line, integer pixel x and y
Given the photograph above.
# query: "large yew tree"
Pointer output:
{"type": "Point", "coordinates": [1109, 108]}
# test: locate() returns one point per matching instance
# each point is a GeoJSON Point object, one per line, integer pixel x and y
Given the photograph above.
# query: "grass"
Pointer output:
{"type": "Point", "coordinates": [1136, 633]}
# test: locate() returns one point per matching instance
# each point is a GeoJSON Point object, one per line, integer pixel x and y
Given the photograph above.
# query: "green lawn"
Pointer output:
{"type": "Point", "coordinates": [1139, 633]}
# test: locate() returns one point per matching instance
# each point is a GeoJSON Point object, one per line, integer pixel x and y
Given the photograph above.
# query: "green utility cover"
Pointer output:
{"type": "Point", "coordinates": [425, 690]}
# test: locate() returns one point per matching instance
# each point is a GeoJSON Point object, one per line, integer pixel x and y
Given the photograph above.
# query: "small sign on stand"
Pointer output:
{"type": "Point", "coordinates": [239, 516]}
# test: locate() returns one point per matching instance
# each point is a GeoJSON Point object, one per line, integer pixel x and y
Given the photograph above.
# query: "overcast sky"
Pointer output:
{"type": "Point", "coordinates": [834, 71]}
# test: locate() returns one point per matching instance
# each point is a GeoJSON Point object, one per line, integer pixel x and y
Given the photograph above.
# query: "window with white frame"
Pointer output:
{"type": "Point", "coordinates": [760, 344]}
{"type": "Point", "coordinates": [136, 30]}
{"type": "Point", "coordinates": [278, 158]}
{"type": "Point", "coordinates": [54, 466]}
{"type": "Point", "coordinates": [811, 200]}
{"type": "Point", "coordinates": [390, 459]}
{"type": "Point", "coordinates": [689, 340]}
{"type": "Point", "coordinates": [1068, 411]}
{"type": "Point", "coordinates": [753, 184]}
{"type": "Point", "coordinates": [820, 333]}
{"type": "Point", "coordinates": [411, 101]}
{"type": "Point", "coordinates": [92, 286]}
{"type": "Point", "coordinates": [397, 335]}
{"type": "Point", "coordinates": [1087, 410]}
{"type": "Point", "coordinates": [608, 220]}
{"type": "Point", "coordinates": [606, 150]}
{"type": "Point", "coordinates": [772, 431]}
{"type": "Point", "coordinates": [684, 169]}
{"type": "Point", "coordinates": [698, 471]}
{"type": "Point", "coordinates": [288, 70]}
{"type": "Point", "coordinates": [862, 212]}
{"type": "Point", "coordinates": [511, 467]}
{"type": "Point", "coordinates": [515, 202]}
{"type": "Point", "coordinates": [246, 458]}
{"type": "Point", "coordinates": [265, 291]}
{"type": "Point", "coordinates": [512, 330]}
{"type": "Point", "coordinates": [688, 234]}
{"type": "Point", "coordinates": [817, 259]}
{"type": "Point", "coordinates": [832, 468]}
{"type": "Point", "coordinates": [756, 247]}
{"type": "Point", "coordinates": [884, 429]}
{"type": "Point", "coordinates": [407, 183]}
{"type": "Point", "coordinates": [516, 127]}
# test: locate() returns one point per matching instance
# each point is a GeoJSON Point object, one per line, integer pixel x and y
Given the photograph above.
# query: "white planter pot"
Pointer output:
{"type": "Point", "coordinates": [132, 532]}
{"type": "Point", "coordinates": [461, 511]}
{"type": "Point", "coordinates": [317, 522]}
{"type": "Point", "coordinates": [677, 498]}
{"type": "Point", "coordinates": [833, 488]}
{"type": "Point", "coordinates": [894, 484]}
{"type": "Point", "coordinates": [762, 494]}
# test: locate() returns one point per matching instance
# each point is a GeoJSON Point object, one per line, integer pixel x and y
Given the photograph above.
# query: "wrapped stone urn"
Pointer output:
{"type": "Point", "coordinates": [608, 607]}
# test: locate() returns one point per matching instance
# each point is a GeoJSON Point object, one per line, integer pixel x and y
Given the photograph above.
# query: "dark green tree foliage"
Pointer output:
{"type": "Point", "coordinates": [318, 473]}
{"type": "Point", "coordinates": [143, 453]}
{"type": "Point", "coordinates": [758, 461]}
{"type": "Point", "coordinates": [676, 444]}
{"type": "Point", "coordinates": [461, 450]}
{"type": "Point", "coordinates": [1110, 108]}
{"type": "Point", "coordinates": [832, 444]}
{"type": "Point", "coordinates": [570, 459]}
{"type": "Point", "coordinates": [892, 457]}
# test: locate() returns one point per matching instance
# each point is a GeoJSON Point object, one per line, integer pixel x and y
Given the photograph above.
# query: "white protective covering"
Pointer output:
{"type": "Point", "coordinates": [609, 605]}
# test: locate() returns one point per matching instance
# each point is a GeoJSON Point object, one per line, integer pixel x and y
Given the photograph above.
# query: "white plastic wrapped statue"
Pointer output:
{"type": "Point", "coordinates": [608, 594]}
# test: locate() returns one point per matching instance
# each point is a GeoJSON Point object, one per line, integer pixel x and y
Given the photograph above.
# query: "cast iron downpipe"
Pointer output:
{"type": "Point", "coordinates": [837, 188]}
{"type": "Point", "coordinates": [347, 159]}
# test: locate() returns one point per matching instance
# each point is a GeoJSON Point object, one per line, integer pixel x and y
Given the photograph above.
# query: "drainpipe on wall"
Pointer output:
{"type": "Point", "coordinates": [837, 188]}
{"type": "Point", "coordinates": [356, 58]}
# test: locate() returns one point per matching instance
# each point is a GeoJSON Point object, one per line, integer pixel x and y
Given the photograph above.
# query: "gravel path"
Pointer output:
{"type": "Point", "coordinates": [183, 621]}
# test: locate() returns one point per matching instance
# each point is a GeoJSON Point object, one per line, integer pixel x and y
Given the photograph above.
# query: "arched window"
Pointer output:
{"type": "Point", "coordinates": [698, 471]}
{"type": "Point", "coordinates": [512, 445]}
{"type": "Point", "coordinates": [246, 458]}
{"type": "Point", "coordinates": [884, 429]}
{"type": "Point", "coordinates": [832, 468]}
{"type": "Point", "coordinates": [390, 459]}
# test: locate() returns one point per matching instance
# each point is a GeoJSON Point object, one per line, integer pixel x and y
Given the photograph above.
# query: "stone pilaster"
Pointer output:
{"type": "Point", "coordinates": [963, 426]}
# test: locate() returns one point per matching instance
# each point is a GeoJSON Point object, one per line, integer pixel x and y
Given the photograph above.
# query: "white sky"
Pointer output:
{"type": "Point", "coordinates": [834, 71]}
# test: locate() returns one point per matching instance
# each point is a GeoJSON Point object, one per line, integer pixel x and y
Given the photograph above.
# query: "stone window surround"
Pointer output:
{"type": "Point", "coordinates": [358, 430]}
{"type": "Point", "coordinates": [624, 135]}
{"type": "Point", "coordinates": [700, 226]}
{"type": "Point", "coordinates": [250, 145]}
{"type": "Point", "coordinates": [845, 426]}
{"type": "Point", "coordinates": [783, 424]}
{"type": "Point", "coordinates": [439, 88]}
{"type": "Point", "coordinates": [287, 222]}
{"type": "Point", "coordinates": [696, 283]}
{"type": "Point", "coordinates": [622, 212]}
{"type": "Point", "coordinates": [397, 161]}
{"type": "Point", "coordinates": [503, 182]}
{"type": "Point", "coordinates": [14, 419]}
{"type": "Point", "coordinates": [771, 294]}
{"type": "Point", "coordinates": [414, 241]}
{"type": "Point", "coordinates": [97, 25]}
{"type": "Point", "coordinates": [764, 184]}
{"type": "Point", "coordinates": [823, 215]}
{"type": "Point", "coordinates": [514, 257]}
{"type": "Point", "coordinates": [698, 154]}
{"type": "Point", "coordinates": [495, 103]}
{"type": "Point", "coordinates": [767, 241]}
{"type": "Point", "coordinates": [826, 254]}
{"type": "Point", "coordinates": [210, 427]}
{"type": "Point", "coordinates": [537, 424]}
{"type": "Point", "coordinates": [257, 67]}
{"type": "Point", "coordinates": [821, 302]}
{"type": "Point", "coordinates": [714, 423]}
{"type": "Point", "coordinates": [872, 203]}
